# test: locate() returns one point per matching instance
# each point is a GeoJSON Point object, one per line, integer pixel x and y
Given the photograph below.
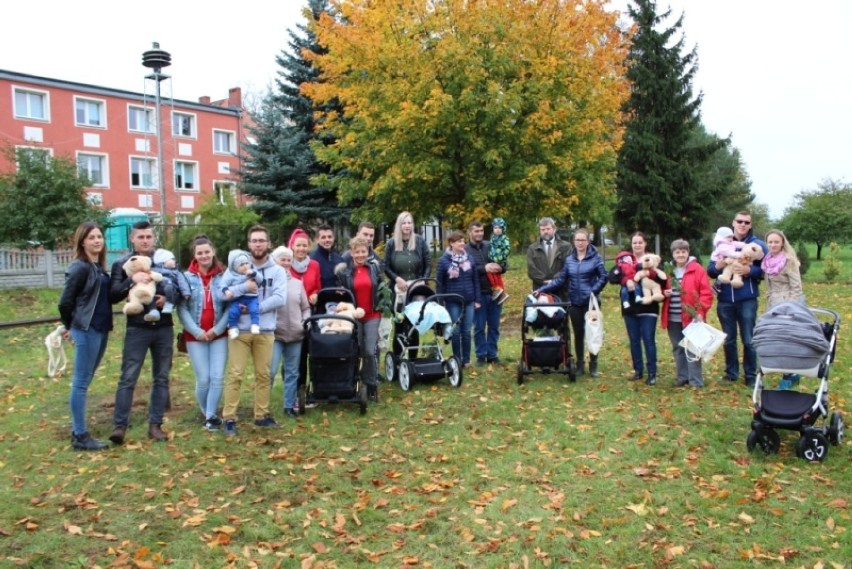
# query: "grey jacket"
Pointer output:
{"type": "Point", "coordinates": [271, 293]}
{"type": "Point", "coordinates": [290, 317]}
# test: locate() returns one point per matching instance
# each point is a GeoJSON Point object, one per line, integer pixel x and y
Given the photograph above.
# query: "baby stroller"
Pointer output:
{"type": "Point", "coordinates": [546, 338]}
{"type": "Point", "coordinates": [423, 310]}
{"type": "Point", "coordinates": [333, 358]}
{"type": "Point", "coordinates": [794, 339]}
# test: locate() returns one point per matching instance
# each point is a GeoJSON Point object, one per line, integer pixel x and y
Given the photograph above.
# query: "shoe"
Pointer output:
{"type": "Point", "coordinates": [593, 366]}
{"type": "Point", "coordinates": [212, 424]}
{"type": "Point", "coordinates": [310, 403]}
{"type": "Point", "coordinates": [495, 361]}
{"type": "Point", "coordinates": [230, 429]}
{"type": "Point", "coordinates": [265, 422]}
{"type": "Point", "coordinates": [581, 368]}
{"type": "Point", "coordinates": [373, 393]}
{"type": "Point", "coordinates": [84, 441]}
{"type": "Point", "coordinates": [255, 329]}
{"type": "Point", "coordinates": [729, 378]}
{"type": "Point", "coordinates": [502, 298]}
{"type": "Point", "coordinates": [750, 383]}
{"type": "Point", "coordinates": [292, 413]}
{"type": "Point", "coordinates": [233, 333]}
{"type": "Point", "coordinates": [152, 316]}
{"type": "Point", "coordinates": [480, 362]}
{"type": "Point", "coordinates": [156, 433]}
{"type": "Point", "coordinates": [495, 294]}
{"type": "Point", "coordinates": [652, 379]}
{"type": "Point", "coordinates": [680, 383]}
{"type": "Point", "coordinates": [117, 436]}
{"type": "Point", "coordinates": [380, 378]}
{"type": "Point", "coordinates": [636, 376]}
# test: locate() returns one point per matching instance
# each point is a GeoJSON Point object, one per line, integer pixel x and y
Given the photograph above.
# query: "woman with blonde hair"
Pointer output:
{"type": "Point", "coordinates": [407, 255]}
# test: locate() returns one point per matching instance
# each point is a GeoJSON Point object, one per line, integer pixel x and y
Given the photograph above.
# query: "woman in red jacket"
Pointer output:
{"type": "Point", "coordinates": [689, 298]}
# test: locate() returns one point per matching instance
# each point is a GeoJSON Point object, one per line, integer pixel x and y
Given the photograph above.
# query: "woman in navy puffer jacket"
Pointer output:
{"type": "Point", "coordinates": [585, 274]}
{"type": "Point", "coordinates": [456, 274]}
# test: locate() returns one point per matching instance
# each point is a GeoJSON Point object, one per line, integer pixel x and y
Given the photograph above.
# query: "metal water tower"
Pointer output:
{"type": "Point", "coordinates": [156, 59]}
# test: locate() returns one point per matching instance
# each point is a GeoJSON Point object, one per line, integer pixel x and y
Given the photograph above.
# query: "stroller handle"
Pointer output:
{"type": "Point", "coordinates": [436, 298]}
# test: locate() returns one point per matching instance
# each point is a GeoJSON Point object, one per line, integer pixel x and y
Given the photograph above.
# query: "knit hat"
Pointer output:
{"type": "Point", "coordinates": [298, 232]}
{"type": "Point", "coordinates": [162, 255]}
{"type": "Point", "coordinates": [236, 258]}
{"type": "Point", "coordinates": [721, 234]}
{"type": "Point", "coordinates": [499, 222]}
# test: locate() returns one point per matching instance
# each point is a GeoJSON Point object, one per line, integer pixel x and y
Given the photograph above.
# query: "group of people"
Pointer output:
{"type": "Point", "coordinates": [577, 273]}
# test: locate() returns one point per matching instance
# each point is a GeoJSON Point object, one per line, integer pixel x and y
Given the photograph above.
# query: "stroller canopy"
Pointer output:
{"type": "Point", "coordinates": [790, 337]}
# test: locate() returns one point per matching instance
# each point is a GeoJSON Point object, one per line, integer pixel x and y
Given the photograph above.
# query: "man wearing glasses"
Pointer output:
{"type": "Point", "coordinates": [737, 307]}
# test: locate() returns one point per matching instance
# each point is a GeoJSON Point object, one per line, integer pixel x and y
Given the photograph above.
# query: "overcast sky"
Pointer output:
{"type": "Point", "coordinates": [776, 74]}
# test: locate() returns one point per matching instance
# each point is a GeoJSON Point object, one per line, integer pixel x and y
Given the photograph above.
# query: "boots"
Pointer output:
{"type": "Point", "coordinates": [581, 367]}
{"type": "Point", "coordinates": [156, 433]}
{"type": "Point", "coordinates": [593, 366]}
{"type": "Point", "coordinates": [373, 393]}
{"type": "Point", "coordinates": [117, 436]}
{"type": "Point", "coordinates": [85, 441]}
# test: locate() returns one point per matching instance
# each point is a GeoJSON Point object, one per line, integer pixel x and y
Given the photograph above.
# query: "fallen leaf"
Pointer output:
{"type": "Point", "coordinates": [319, 547]}
{"type": "Point", "coordinates": [745, 518]}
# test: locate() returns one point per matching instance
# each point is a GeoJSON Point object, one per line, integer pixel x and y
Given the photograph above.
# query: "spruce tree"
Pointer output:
{"type": "Point", "coordinates": [280, 165]}
{"type": "Point", "coordinates": [658, 167]}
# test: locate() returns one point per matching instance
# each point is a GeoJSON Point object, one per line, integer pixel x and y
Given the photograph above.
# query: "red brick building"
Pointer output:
{"type": "Point", "coordinates": [112, 135]}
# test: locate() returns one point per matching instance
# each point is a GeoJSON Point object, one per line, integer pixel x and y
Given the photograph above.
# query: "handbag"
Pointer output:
{"type": "Point", "coordinates": [181, 342]}
{"type": "Point", "coordinates": [594, 327]}
{"type": "Point", "coordinates": [701, 341]}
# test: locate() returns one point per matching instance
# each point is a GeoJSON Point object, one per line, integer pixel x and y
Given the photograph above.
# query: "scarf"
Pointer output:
{"type": "Point", "coordinates": [300, 266]}
{"type": "Point", "coordinates": [773, 264]}
{"type": "Point", "coordinates": [458, 263]}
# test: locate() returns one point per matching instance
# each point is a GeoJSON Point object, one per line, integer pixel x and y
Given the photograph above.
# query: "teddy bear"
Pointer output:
{"type": "Point", "coordinates": [339, 326]}
{"type": "Point", "coordinates": [140, 294]}
{"type": "Point", "coordinates": [749, 253]}
{"type": "Point", "coordinates": [651, 289]}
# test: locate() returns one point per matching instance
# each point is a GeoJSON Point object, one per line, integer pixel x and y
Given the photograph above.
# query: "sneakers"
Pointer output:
{"type": "Point", "coordinates": [152, 316]}
{"type": "Point", "coordinates": [310, 403]}
{"type": "Point", "coordinates": [230, 429]}
{"type": "Point", "coordinates": [265, 422]}
{"type": "Point", "coordinates": [291, 413]}
{"type": "Point", "coordinates": [233, 333]}
{"type": "Point", "coordinates": [212, 424]}
{"type": "Point", "coordinates": [495, 294]}
{"type": "Point", "coordinates": [84, 441]}
{"type": "Point", "coordinates": [502, 298]}
{"type": "Point", "coordinates": [255, 329]}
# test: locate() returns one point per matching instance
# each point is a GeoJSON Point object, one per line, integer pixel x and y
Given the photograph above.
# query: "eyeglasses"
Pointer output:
{"type": "Point", "coordinates": [258, 240]}
{"type": "Point", "coordinates": [743, 221]}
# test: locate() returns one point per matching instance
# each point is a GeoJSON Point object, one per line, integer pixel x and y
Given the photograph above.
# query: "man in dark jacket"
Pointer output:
{"type": "Point", "coordinates": [486, 318]}
{"type": "Point", "coordinates": [140, 336]}
{"type": "Point", "coordinates": [326, 256]}
{"type": "Point", "coordinates": [546, 256]}
{"type": "Point", "coordinates": [737, 307]}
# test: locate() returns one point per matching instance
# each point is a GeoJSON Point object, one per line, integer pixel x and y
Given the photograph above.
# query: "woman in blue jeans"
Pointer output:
{"type": "Point", "coordinates": [456, 274]}
{"type": "Point", "coordinates": [641, 321]}
{"type": "Point", "coordinates": [86, 313]}
{"type": "Point", "coordinates": [205, 321]}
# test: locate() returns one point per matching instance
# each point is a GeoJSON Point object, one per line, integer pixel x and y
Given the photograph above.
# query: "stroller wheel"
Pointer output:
{"type": "Point", "coordinates": [454, 371]}
{"type": "Point", "coordinates": [302, 398]}
{"type": "Point", "coordinates": [406, 373]}
{"type": "Point", "coordinates": [812, 446]}
{"type": "Point", "coordinates": [835, 429]}
{"type": "Point", "coordinates": [362, 398]}
{"type": "Point", "coordinates": [521, 371]}
{"type": "Point", "coordinates": [391, 364]}
{"type": "Point", "coordinates": [764, 439]}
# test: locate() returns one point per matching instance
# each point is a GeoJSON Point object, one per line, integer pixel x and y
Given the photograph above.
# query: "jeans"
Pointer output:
{"type": "Point", "coordinates": [89, 350]}
{"type": "Point", "coordinates": [461, 332]}
{"type": "Point", "coordinates": [259, 346]}
{"type": "Point", "coordinates": [137, 342]}
{"type": "Point", "coordinates": [688, 371]}
{"type": "Point", "coordinates": [292, 354]}
{"type": "Point", "coordinates": [641, 330]}
{"type": "Point", "coordinates": [486, 316]}
{"type": "Point", "coordinates": [368, 340]}
{"type": "Point", "coordinates": [732, 315]}
{"type": "Point", "coordinates": [208, 363]}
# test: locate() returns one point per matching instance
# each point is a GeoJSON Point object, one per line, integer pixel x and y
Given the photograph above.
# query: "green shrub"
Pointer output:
{"type": "Point", "coordinates": [804, 257]}
{"type": "Point", "coordinates": [831, 269]}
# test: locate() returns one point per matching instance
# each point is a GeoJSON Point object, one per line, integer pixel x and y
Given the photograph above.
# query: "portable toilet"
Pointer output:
{"type": "Point", "coordinates": [121, 219]}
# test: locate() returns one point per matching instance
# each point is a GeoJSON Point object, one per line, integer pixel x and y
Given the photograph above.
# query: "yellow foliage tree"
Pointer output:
{"type": "Point", "coordinates": [511, 107]}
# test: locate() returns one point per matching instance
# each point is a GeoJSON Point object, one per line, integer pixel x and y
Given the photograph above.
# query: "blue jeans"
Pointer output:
{"type": "Point", "coordinates": [208, 363]}
{"type": "Point", "coordinates": [89, 350]}
{"type": "Point", "coordinates": [742, 315]}
{"type": "Point", "coordinates": [641, 331]}
{"type": "Point", "coordinates": [486, 327]}
{"type": "Point", "coordinates": [292, 353]}
{"type": "Point", "coordinates": [461, 332]}
{"type": "Point", "coordinates": [137, 342]}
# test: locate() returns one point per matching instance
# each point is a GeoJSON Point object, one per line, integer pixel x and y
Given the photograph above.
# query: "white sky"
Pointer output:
{"type": "Point", "coordinates": [775, 74]}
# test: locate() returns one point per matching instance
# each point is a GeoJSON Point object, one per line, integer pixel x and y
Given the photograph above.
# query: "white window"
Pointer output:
{"type": "Point", "coordinates": [89, 112]}
{"type": "Point", "coordinates": [146, 201]}
{"type": "Point", "coordinates": [142, 173]}
{"type": "Point", "coordinates": [32, 104]}
{"type": "Point", "coordinates": [94, 167]}
{"type": "Point", "coordinates": [186, 176]}
{"type": "Point", "coordinates": [226, 192]}
{"type": "Point", "coordinates": [183, 124]}
{"type": "Point", "coordinates": [223, 142]}
{"type": "Point", "coordinates": [140, 119]}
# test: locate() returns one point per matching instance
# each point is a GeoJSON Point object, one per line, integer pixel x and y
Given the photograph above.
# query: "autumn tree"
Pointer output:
{"type": "Point", "coordinates": [665, 153]}
{"type": "Point", "coordinates": [457, 109]}
{"type": "Point", "coordinates": [44, 199]}
{"type": "Point", "coordinates": [281, 165]}
{"type": "Point", "coordinates": [821, 216]}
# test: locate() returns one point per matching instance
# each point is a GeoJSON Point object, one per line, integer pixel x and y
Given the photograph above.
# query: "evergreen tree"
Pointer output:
{"type": "Point", "coordinates": [658, 185]}
{"type": "Point", "coordinates": [281, 166]}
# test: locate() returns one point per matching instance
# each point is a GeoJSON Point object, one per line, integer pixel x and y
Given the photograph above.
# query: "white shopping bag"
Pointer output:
{"type": "Point", "coordinates": [701, 341]}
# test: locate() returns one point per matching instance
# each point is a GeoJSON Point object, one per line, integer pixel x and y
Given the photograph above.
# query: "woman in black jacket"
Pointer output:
{"type": "Point", "coordinates": [86, 313]}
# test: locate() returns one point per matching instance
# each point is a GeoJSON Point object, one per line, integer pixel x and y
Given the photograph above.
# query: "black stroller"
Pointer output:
{"type": "Point", "coordinates": [546, 338]}
{"type": "Point", "coordinates": [333, 358]}
{"type": "Point", "coordinates": [411, 356]}
{"type": "Point", "coordinates": [794, 339]}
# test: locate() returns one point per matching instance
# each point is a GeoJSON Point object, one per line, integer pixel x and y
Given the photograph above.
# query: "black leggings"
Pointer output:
{"type": "Point", "coordinates": [577, 315]}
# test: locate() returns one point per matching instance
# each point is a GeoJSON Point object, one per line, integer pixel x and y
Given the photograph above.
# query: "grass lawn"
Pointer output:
{"type": "Point", "coordinates": [597, 473]}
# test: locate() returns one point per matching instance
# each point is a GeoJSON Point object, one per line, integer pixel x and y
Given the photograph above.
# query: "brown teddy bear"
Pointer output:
{"type": "Point", "coordinates": [651, 289]}
{"type": "Point", "coordinates": [750, 253]}
{"type": "Point", "coordinates": [140, 294]}
{"type": "Point", "coordinates": [339, 326]}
